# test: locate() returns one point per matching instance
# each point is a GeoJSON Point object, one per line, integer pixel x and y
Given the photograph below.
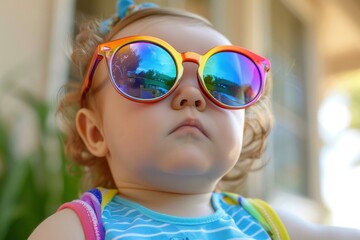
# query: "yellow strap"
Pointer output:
{"type": "Point", "coordinates": [107, 196]}
{"type": "Point", "coordinates": [272, 218]}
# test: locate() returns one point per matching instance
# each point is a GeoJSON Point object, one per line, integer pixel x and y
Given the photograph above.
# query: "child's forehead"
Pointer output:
{"type": "Point", "coordinates": [185, 34]}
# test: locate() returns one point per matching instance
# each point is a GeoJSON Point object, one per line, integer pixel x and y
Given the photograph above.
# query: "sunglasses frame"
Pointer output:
{"type": "Point", "coordinates": [106, 50]}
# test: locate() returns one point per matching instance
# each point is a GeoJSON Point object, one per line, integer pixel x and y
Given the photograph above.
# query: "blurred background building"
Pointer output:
{"type": "Point", "coordinates": [314, 46]}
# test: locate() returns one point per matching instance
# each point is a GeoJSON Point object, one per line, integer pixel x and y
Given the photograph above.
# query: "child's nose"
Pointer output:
{"type": "Point", "coordinates": [189, 96]}
{"type": "Point", "coordinates": [189, 93]}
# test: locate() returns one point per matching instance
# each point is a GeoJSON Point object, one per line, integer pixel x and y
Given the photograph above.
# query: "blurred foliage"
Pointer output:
{"type": "Point", "coordinates": [354, 93]}
{"type": "Point", "coordinates": [349, 83]}
{"type": "Point", "coordinates": [32, 187]}
{"type": "Point", "coordinates": [355, 106]}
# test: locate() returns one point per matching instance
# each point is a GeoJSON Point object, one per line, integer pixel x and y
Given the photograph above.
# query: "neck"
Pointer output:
{"type": "Point", "coordinates": [176, 204]}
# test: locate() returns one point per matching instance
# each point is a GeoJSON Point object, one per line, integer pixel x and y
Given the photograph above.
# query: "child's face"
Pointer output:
{"type": "Point", "coordinates": [145, 146]}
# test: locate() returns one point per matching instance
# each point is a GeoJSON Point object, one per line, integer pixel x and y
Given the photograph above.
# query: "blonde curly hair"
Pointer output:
{"type": "Point", "coordinates": [96, 172]}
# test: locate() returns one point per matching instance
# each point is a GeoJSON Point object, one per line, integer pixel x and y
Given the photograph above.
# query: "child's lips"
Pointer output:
{"type": "Point", "coordinates": [190, 123]}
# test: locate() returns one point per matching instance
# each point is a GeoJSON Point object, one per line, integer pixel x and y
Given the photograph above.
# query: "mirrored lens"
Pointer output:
{"type": "Point", "coordinates": [143, 70]}
{"type": "Point", "coordinates": [232, 78]}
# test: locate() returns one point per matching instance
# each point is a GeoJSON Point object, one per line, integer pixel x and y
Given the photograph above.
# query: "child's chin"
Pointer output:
{"type": "Point", "coordinates": [186, 166]}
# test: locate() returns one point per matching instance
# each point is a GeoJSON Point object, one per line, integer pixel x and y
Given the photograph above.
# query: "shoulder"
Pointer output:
{"type": "Point", "coordinates": [301, 229]}
{"type": "Point", "coordinates": [257, 212]}
{"type": "Point", "coordinates": [78, 219]}
{"type": "Point", "coordinates": [64, 224]}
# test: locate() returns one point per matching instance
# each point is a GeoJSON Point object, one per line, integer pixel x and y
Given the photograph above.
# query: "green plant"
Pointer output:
{"type": "Point", "coordinates": [32, 187]}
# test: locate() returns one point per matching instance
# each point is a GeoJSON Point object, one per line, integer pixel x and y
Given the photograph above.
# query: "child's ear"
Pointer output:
{"type": "Point", "coordinates": [88, 127]}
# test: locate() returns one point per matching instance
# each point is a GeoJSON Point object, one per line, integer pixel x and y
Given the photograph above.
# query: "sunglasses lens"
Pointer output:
{"type": "Point", "coordinates": [232, 78]}
{"type": "Point", "coordinates": [143, 71]}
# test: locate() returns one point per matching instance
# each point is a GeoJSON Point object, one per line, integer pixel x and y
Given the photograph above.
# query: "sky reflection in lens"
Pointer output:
{"type": "Point", "coordinates": [144, 70]}
{"type": "Point", "coordinates": [232, 78]}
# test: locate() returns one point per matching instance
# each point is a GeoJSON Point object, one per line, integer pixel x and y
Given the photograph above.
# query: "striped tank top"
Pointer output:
{"type": "Point", "coordinates": [106, 215]}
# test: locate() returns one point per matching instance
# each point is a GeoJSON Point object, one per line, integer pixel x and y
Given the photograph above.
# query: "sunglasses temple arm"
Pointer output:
{"type": "Point", "coordinates": [262, 62]}
{"type": "Point", "coordinates": [266, 64]}
{"type": "Point", "coordinates": [89, 77]}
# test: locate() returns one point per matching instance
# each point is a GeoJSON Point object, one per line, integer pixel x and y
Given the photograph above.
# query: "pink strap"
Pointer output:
{"type": "Point", "coordinates": [88, 219]}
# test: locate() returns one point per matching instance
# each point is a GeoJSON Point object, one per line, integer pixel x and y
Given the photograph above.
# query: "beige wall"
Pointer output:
{"type": "Point", "coordinates": [34, 40]}
{"type": "Point", "coordinates": [25, 42]}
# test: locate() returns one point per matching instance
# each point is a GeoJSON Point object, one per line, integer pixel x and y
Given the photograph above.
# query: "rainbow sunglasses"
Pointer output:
{"type": "Point", "coordinates": [147, 69]}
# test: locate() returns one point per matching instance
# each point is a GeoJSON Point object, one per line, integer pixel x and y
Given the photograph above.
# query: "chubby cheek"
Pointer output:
{"type": "Point", "coordinates": [130, 139]}
{"type": "Point", "coordinates": [231, 138]}
{"type": "Point", "coordinates": [122, 150]}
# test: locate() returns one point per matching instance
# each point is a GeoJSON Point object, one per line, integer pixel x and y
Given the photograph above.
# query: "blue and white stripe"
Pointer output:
{"type": "Point", "coordinates": [126, 220]}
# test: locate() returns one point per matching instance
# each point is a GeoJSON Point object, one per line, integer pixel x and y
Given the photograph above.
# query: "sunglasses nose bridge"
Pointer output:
{"type": "Point", "coordinates": [190, 57]}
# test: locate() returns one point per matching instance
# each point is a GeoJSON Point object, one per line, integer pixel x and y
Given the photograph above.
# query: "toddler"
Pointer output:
{"type": "Point", "coordinates": [169, 115]}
